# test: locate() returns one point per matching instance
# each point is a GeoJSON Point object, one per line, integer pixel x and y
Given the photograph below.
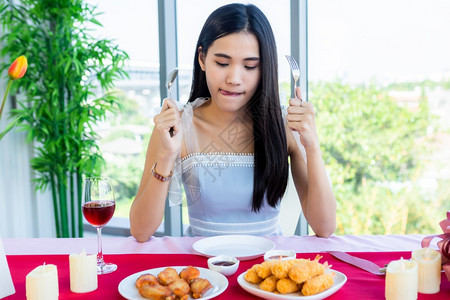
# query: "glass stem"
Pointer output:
{"type": "Point", "coordinates": [100, 261]}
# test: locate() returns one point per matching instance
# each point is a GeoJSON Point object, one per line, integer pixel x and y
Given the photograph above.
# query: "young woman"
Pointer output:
{"type": "Point", "coordinates": [230, 145]}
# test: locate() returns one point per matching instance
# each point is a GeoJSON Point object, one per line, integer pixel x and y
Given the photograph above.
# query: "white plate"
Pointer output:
{"type": "Point", "coordinates": [128, 290]}
{"type": "Point", "coordinates": [339, 280]}
{"type": "Point", "coordinates": [243, 247]}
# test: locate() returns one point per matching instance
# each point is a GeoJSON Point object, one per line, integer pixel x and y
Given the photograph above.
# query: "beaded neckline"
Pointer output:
{"type": "Point", "coordinates": [216, 154]}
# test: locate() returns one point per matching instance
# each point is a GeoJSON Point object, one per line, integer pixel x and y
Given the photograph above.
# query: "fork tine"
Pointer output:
{"type": "Point", "coordinates": [292, 62]}
{"type": "Point", "coordinates": [294, 69]}
{"type": "Point", "coordinates": [294, 66]}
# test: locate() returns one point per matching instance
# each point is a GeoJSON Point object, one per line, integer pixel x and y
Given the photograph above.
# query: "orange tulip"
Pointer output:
{"type": "Point", "coordinates": [18, 68]}
{"type": "Point", "coordinates": [15, 71]}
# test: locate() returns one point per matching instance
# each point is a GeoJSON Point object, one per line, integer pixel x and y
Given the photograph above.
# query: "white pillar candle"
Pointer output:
{"type": "Point", "coordinates": [429, 264]}
{"type": "Point", "coordinates": [83, 272]}
{"type": "Point", "coordinates": [401, 280]}
{"type": "Point", "coordinates": [42, 283]}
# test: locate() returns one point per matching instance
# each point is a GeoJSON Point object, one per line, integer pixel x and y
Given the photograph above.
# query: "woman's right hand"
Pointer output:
{"type": "Point", "coordinates": [168, 125]}
{"type": "Point", "coordinates": [147, 210]}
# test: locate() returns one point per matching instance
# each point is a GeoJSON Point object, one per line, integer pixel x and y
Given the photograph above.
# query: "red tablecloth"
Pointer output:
{"type": "Point", "coordinates": [360, 284]}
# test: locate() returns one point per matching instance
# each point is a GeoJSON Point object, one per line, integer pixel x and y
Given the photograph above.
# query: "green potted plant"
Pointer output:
{"type": "Point", "coordinates": [60, 109]}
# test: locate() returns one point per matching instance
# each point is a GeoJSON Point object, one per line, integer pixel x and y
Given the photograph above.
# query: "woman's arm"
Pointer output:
{"type": "Point", "coordinates": [311, 180]}
{"type": "Point", "coordinates": [147, 210]}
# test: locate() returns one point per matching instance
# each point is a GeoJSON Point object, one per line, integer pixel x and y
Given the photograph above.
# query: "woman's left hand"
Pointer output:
{"type": "Point", "coordinates": [301, 118]}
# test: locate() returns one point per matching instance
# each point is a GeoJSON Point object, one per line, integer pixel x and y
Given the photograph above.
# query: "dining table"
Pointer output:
{"type": "Point", "coordinates": [131, 257]}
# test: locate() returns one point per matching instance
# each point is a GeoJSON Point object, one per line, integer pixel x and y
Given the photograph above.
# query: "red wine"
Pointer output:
{"type": "Point", "coordinates": [98, 213]}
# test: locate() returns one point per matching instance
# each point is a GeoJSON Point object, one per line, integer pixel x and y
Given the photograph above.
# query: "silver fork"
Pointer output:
{"type": "Point", "coordinates": [295, 71]}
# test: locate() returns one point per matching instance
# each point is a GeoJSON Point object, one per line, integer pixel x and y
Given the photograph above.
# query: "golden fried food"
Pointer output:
{"type": "Point", "coordinates": [146, 279]}
{"type": "Point", "coordinates": [156, 292]}
{"type": "Point", "coordinates": [252, 277]}
{"type": "Point", "coordinates": [269, 284]}
{"type": "Point", "coordinates": [168, 285]}
{"type": "Point", "coordinates": [189, 273]}
{"type": "Point", "coordinates": [280, 268]}
{"type": "Point", "coordinates": [317, 284]}
{"type": "Point", "coordinates": [306, 270]}
{"type": "Point", "coordinates": [286, 286]}
{"type": "Point", "coordinates": [291, 276]}
{"type": "Point", "coordinates": [264, 269]}
{"type": "Point", "coordinates": [168, 275]}
{"type": "Point", "coordinates": [179, 287]}
{"type": "Point", "coordinates": [199, 287]}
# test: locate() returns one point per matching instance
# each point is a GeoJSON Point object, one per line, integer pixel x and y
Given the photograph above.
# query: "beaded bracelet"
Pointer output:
{"type": "Point", "coordinates": [159, 176]}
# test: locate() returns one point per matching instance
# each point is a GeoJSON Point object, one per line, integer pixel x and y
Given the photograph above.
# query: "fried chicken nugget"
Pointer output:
{"type": "Point", "coordinates": [287, 285]}
{"type": "Point", "coordinates": [302, 272]}
{"type": "Point", "coordinates": [281, 268]}
{"type": "Point", "coordinates": [168, 275]}
{"type": "Point", "coordinates": [269, 284]}
{"type": "Point", "coordinates": [146, 279]}
{"type": "Point", "coordinates": [156, 292]}
{"type": "Point", "coordinates": [189, 273]}
{"type": "Point", "coordinates": [317, 284]}
{"type": "Point", "coordinates": [251, 276]}
{"type": "Point", "coordinates": [264, 269]}
{"type": "Point", "coordinates": [180, 288]}
{"type": "Point", "coordinates": [199, 287]}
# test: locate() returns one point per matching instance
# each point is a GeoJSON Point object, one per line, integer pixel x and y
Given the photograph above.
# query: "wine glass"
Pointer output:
{"type": "Point", "coordinates": [98, 208]}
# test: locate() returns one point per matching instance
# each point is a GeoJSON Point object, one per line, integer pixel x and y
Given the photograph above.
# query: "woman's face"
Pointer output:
{"type": "Point", "coordinates": [232, 67]}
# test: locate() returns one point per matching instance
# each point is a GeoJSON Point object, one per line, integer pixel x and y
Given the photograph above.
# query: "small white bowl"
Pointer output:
{"type": "Point", "coordinates": [280, 254]}
{"type": "Point", "coordinates": [227, 265]}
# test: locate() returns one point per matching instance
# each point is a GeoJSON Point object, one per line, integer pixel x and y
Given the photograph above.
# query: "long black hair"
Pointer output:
{"type": "Point", "coordinates": [271, 158]}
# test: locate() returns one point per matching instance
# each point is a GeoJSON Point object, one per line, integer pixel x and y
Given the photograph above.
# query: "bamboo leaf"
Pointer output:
{"type": "Point", "coordinates": [8, 128]}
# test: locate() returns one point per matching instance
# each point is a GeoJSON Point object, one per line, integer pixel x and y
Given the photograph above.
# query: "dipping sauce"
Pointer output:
{"type": "Point", "coordinates": [278, 257]}
{"type": "Point", "coordinates": [223, 263]}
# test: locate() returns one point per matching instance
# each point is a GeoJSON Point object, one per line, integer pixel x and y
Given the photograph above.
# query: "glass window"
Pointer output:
{"type": "Point", "coordinates": [380, 82]}
{"type": "Point", "coordinates": [378, 78]}
{"type": "Point", "coordinates": [133, 25]}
